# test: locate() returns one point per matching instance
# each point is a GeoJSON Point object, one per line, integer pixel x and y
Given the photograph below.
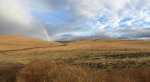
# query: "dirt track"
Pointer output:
{"type": "Point", "coordinates": [30, 48]}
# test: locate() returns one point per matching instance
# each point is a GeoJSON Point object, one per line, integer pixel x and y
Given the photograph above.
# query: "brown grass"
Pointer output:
{"type": "Point", "coordinates": [40, 71]}
{"type": "Point", "coordinates": [131, 75]}
{"type": "Point", "coordinates": [8, 71]}
{"type": "Point", "coordinates": [110, 60]}
{"type": "Point", "coordinates": [18, 42]}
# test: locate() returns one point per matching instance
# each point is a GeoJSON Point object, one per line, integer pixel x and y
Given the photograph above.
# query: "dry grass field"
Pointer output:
{"type": "Point", "coordinates": [103, 60]}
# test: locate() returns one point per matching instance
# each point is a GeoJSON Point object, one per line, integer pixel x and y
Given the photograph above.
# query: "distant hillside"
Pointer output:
{"type": "Point", "coordinates": [18, 42]}
{"type": "Point", "coordinates": [24, 43]}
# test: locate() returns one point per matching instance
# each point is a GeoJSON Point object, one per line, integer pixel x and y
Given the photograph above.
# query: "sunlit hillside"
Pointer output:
{"type": "Point", "coordinates": [18, 42]}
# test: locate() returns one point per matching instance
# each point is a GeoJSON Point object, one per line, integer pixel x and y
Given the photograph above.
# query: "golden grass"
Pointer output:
{"type": "Point", "coordinates": [40, 71]}
{"type": "Point", "coordinates": [102, 60]}
{"type": "Point", "coordinates": [18, 42]}
{"type": "Point", "coordinates": [8, 71]}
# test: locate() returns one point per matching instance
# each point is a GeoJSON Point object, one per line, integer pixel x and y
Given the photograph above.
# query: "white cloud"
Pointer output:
{"type": "Point", "coordinates": [16, 19]}
{"type": "Point", "coordinates": [12, 10]}
{"type": "Point", "coordinates": [81, 16]}
{"type": "Point", "coordinates": [87, 8]}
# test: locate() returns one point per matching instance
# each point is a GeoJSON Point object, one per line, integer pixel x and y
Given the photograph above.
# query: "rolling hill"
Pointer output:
{"type": "Point", "coordinates": [95, 57]}
{"type": "Point", "coordinates": [18, 42]}
{"type": "Point", "coordinates": [23, 50]}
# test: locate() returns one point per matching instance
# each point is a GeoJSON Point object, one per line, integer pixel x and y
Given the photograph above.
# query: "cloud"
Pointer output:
{"type": "Point", "coordinates": [74, 37]}
{"type": "Point", "coordinates": [15, 19]}
{"type": "Point", "coordinates": [134, 33]}
{"type": "Point", "coordinates": [75, 19]}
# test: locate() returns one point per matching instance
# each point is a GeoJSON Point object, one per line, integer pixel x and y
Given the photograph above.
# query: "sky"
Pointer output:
{"type": "Point", "coordinates": [65, 20]}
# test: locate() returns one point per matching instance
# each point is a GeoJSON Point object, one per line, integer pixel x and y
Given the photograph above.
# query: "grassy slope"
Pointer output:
{"type": "Point", "coordinates": [18, 42]}
{"type": "Point", "coordinates": [103, 53]}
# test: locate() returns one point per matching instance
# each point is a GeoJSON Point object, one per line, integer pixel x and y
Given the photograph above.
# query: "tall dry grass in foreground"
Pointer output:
{"type": "Point", "coordinates": [8, 71]}
{"type": "Point", "coordinates": [40, 71]}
